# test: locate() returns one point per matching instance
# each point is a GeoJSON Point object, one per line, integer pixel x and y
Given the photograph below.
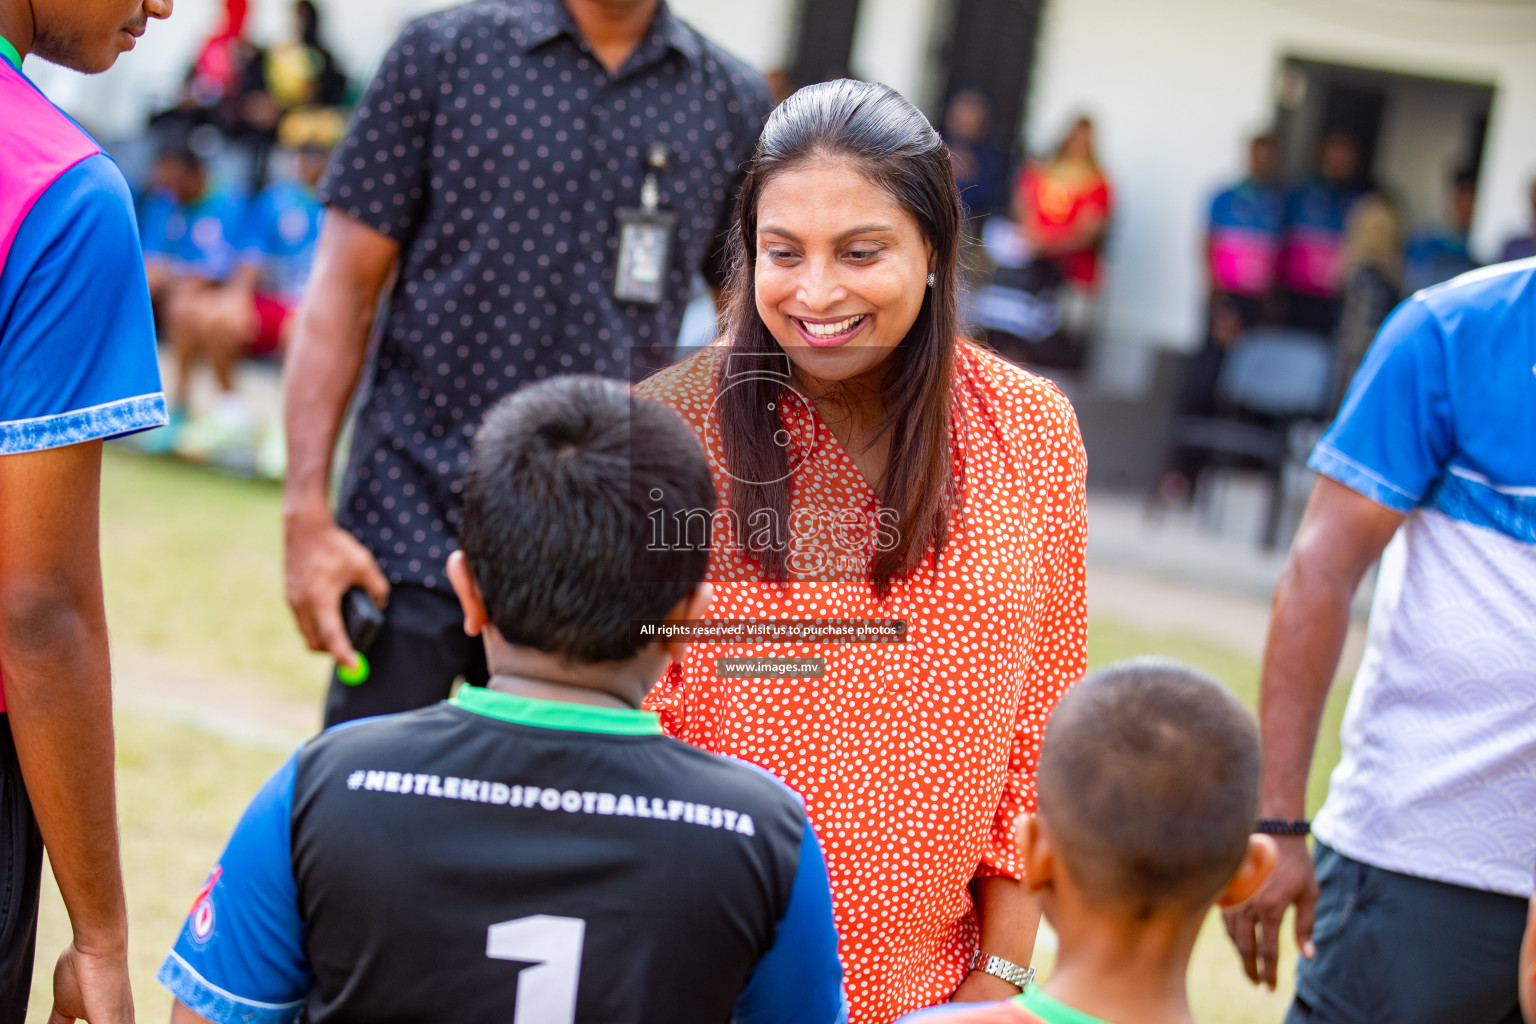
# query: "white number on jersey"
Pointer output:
{"type": "Point", "coordinates": [546, 992]}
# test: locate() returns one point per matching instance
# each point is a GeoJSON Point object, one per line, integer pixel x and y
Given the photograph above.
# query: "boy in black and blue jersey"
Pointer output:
{"type": "Point", "coordinates": [534, 850]}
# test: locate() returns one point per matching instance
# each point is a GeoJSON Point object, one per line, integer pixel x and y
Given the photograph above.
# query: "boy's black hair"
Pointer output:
{"type": "Point", "coordinates": [566, 483]}
{"type": "Point", "coordinates": [1149, 781]}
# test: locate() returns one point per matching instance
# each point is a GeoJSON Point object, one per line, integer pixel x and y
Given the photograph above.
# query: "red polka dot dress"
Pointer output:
{"type": "Point", "coordinates": [913, 758]}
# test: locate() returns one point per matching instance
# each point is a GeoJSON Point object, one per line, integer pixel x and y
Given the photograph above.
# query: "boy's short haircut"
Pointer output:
{"type": "Point", "coordinates": [565, 484]}
{"type": "Point", "coordinates": [1149, 782]}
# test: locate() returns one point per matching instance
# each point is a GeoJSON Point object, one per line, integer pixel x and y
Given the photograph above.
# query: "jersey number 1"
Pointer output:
{"type": "Point", "coordinates": [546, 992]}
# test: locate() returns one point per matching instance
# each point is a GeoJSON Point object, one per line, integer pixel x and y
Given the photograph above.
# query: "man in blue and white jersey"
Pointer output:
{"type": "Point", "coordinates": [1426, 842]}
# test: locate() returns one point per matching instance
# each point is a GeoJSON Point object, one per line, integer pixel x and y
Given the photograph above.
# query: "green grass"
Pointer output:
{"type": "Point", "coordinates": [180, 792]}
{"type": "Point", "coordinates": [193, 570]}
{"type": "Point", "coordinates": [192, 562]}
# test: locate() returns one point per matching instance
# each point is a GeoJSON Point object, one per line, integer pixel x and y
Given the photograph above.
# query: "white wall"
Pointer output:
{"type": "Point", "coordinates": [1423, 133]}
{"type": "Point", "coordinates": [894, 42]}
{"type": "Point", "coordinates": [757, 31]}
{"type": "Point", "coordinates": [1177, 85]}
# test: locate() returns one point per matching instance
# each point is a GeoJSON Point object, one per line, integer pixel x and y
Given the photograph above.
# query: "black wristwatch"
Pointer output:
{"type": "Point", "coordinates": [1283, 826]}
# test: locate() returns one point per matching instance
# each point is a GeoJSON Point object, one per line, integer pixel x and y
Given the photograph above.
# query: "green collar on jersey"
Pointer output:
{"type": "Point", "coordinates": [10, 53]}
{"type": "Point", "coordinates": [1052, 1011]}
{"type": "Point", "coordinates": [554, 714]}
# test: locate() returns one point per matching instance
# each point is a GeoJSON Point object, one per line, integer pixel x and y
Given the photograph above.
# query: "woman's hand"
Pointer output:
{"type": "Point", "coordinates": [979, 987]}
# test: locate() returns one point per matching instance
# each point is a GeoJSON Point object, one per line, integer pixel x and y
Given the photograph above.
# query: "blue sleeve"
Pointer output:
{"type": "Point", "coordinates": [214, 237]}
{"type": "Point", "coordinates": [256, 234]}
{"type": "Point", "coordinates": [1393, 435]}
{"type": "Point", "coordinates": [77, 337]}
{"type": "Point", "coordinates": [240, 957]}
{"type": "Point", "coordinates": [799, 980]}
{"type": "Point", "coordinates": [1215, 215]}
{"type": "Point", "coordinates": [153, 215]}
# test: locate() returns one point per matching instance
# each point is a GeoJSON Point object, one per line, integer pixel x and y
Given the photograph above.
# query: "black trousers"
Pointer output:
{"type": "Point", "coordinates": [1405, 950]}
{"type": "Point", "coordinates": [419, 652]}
{"type": "Point", "coordinates": [21, 869]}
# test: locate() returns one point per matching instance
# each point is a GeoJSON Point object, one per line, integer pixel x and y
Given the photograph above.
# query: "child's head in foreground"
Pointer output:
{"type": "Point", "coordinates": [565, 482]}
{"type": "Point", "coordinates": [1148, 786]}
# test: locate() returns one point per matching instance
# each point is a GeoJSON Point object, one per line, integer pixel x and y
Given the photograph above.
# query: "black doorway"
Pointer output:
{"type": "Point", "coordinates": [991, 49]}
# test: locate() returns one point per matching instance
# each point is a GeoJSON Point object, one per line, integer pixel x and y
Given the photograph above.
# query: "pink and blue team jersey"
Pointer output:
{"type": "Point", "coordinates": [1245, 224]}
{"type": "Point", "coordinates": [281, 229]}
{"type": "Point", "coordinates": [1312, 249]}
{"type": "Point", "coordinates": [77, 339]}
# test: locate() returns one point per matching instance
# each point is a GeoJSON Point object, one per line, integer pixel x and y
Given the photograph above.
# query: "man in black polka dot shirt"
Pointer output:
{"type": "Point", "coordinates": [488, 163]}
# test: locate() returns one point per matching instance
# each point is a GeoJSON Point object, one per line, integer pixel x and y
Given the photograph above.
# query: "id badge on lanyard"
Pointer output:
{"type": "Point", "coordinates": [645, 239]}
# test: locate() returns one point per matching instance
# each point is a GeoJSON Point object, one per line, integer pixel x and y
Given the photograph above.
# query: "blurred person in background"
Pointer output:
{"type": "Point", "coordinates": [1242, 245]}
{"type": "Point", "coordinates": [499, 159]}
{"type": "Point", "coordinates": [1373, 282]}
{"type": "Point", "coordinates": [77, 366]}
{"type": "Point", "coordinates": [1311, 272]}
{"type": "Point", "coordinates": [185, 224]}
{"type": "Point", "coordinates": [219, 67]}
{"type": "Point", "coordinates": [780, 84]}
{"type": "Point", "coordinates": [1063, 209]}
{"type": "Point", "coordinates": [980, 168]}
{"type": "Point", "coordinates": [301, 72]}
{"type": "Point", "coordinates": [1522, 246]}
{"type": "Point", "coordinates": [251, 314]}
{"type": "Point", "coordinates": [190, 230]}
{"type": "Point", "coordinates": [1440, 253]}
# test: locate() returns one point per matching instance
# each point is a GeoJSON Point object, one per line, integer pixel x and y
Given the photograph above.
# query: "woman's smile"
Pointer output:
{"type": "Point", "coordinates": [825, 333]}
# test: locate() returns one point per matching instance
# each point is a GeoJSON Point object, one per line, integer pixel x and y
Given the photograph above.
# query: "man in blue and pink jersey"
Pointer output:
{"type": "Point", "coordinates": [1243, 243]}
{"type": "Point", "coordinates": [77, 365]}
{"type": "Point", "coordinates": [1311, 270]}
{"type": "Point", "coordinates": [1242, 248]}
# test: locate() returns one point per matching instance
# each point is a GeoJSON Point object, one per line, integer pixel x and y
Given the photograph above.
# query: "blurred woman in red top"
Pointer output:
{"type": "Point", "coordinates": [873, 466]}
{"type": "Point", "coordinates": [1064, 207]}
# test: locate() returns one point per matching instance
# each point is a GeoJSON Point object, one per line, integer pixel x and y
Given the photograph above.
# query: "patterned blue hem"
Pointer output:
{"type": "Point", "coordinates": [112, 419]}
{"type": "Point", "coordinates": [1360, 479]}
{"type": "Point", "coordinates": [214, 1004]}
{"type": "Point", "coordinates": [1480, 503]}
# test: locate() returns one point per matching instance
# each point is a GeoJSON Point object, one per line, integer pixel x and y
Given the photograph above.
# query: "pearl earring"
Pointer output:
{"type": "Point", "coordinates": [930, 280]}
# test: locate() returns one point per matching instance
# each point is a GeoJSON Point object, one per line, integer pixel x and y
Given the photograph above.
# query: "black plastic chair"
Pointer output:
{"type": "Point", "coordinates": [1274, 381]}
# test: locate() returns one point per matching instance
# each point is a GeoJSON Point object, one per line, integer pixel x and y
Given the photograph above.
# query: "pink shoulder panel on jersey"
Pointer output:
{"type": "Point", "coordinates": [40, 142]}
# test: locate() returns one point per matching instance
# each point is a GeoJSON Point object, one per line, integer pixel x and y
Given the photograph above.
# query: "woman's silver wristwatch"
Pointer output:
{"type": "Point", "coordinates": [1009, 971]}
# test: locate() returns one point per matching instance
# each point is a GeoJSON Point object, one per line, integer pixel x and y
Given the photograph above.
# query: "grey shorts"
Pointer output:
{"type": "Point", "coordinates": [1405, 950]}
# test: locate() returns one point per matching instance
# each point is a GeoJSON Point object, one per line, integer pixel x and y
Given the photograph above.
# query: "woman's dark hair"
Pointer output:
{"type": "Point", "coordinates": [875, 131]}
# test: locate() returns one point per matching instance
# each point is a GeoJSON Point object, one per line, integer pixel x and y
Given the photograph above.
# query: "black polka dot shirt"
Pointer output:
{"type": "Point", "coordinates": [496, 149]}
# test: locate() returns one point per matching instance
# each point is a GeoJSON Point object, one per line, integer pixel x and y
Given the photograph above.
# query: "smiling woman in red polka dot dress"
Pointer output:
{"type": "Point", "coordinates": [874, 467]}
